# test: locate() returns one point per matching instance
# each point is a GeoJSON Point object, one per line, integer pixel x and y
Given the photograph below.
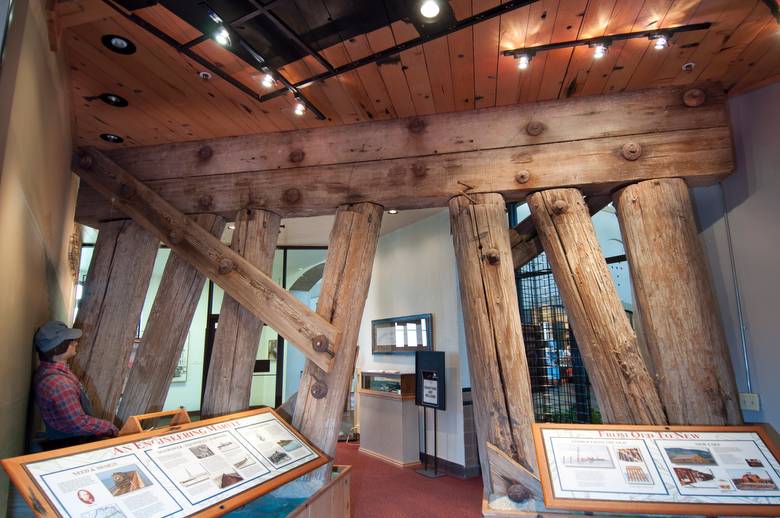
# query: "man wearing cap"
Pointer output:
{"type": "Point", "coordinates": [64, 405]}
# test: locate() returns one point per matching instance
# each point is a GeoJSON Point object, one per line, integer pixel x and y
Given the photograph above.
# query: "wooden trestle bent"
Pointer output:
{"type": "Point", "coordinates": [229, 380]}
{"type": "Point", "coordinates": [316, 337]}
{"type": "Point", "coordinates": [166, 330]}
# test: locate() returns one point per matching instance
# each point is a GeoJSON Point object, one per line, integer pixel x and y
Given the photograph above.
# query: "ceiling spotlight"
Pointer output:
{"type": "Point", "coordinates": [430, 9]}
{"type": "Point", "coordinates": [660, 42]}
{"type": "Point", "coordinates": [300, 109]}
{"type": "Point", "coordinates": [268, 81]}
{"type": "Point", "coordinates": [118, 44]}
{"type": "Point", "coordinates": [204, 75]}
{"type": "Point", "coordinates": [523, 60]}
{"type": "Point", "coordinates": [392, 211]}
{"type": "Point", "coordinates": [222, 36]}
{"type": "Point", "coordinates": [110, 137]}
{"type": "Point", "coordinates": [113, 100]}
{"type": "Point", "coordinates": [599, 50]}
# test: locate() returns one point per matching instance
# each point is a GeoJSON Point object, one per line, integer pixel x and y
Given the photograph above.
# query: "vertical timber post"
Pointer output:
{"type": "Point", "coordinates": [319, 405]}
{"type": "Point", "coordinates": [624, 388]}
{"type": "Point", "coordinates": [679, 312]}
{"type": "Point", "coordinates": [116, 286]}
{"type": "Point", "coordinates": [181, 287]}
{"type": "Point", "coordinates": [499, 370]}
{"type": "Point", "coordinates": [229, 380]}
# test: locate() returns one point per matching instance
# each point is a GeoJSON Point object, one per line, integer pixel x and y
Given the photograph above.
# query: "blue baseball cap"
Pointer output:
{"type": "Point", "coordinates": [53, 333]}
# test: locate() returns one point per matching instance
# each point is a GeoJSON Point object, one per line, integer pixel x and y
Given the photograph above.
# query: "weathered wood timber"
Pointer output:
{"type": "Point", "coordinates": [524, 239]}
{"type": "Point", "coordinates": [229, 380]}
{"type": "Point", "coordinates": [320, 401]}
{"type": "Point", "coordinates": [497, 363]}
{"type": "Point", "coordinates": [703, 156]}
{"type": "Point", "coordinates": [566, 120]}
{"type": "Point", "coordinates": [679, 312]}
{"type": "Point", "coordinates": [166, 330]}
{"type": "Point", "coordinates": [624, 389]}
{"type": "Point", "coordinates": [238, 277]}
{"type": "Point", "coordinates": [505, 472]}
{"type": "Point", "coordinates": [114, 294]}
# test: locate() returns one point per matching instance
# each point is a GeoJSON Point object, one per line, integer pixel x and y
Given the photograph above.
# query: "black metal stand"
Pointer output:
{"type": "Point", "coordinates": [425, 471]}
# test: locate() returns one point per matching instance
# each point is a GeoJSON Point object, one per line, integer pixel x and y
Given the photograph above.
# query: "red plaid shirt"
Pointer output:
{"type": "Point", "coordinates": [58, 394]}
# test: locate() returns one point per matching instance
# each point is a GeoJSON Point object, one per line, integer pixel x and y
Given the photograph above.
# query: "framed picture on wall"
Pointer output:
{"type": "Point", "coordinates": [402, 334]}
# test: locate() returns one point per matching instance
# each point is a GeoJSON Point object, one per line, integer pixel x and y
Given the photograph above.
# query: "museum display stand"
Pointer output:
{"type": "Point", "coordinates": [389, 417]}
{"type": "Point", "coordinates": [244, 464]}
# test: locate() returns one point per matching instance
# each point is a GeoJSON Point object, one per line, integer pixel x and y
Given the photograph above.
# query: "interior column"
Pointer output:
{"type": "Point", "coordinates": [624, 389]}
{"type": "Point", "coordinates": [680, 315]}
{"type": "Point", "coordinates": [497, 363]}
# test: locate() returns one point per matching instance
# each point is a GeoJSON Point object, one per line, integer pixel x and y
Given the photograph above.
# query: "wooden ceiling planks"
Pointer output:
{"type": "Point", "coordinates": [169, 103]}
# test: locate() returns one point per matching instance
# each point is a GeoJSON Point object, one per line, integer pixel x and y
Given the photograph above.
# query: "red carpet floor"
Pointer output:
{"type": "Point", "coordinates": [381, 490]}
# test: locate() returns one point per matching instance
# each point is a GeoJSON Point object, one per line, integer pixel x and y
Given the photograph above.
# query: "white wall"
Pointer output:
{"type": "Point", "coordinates": [753, 201]}
{"type": "Point", "coordinates": [415, 272]}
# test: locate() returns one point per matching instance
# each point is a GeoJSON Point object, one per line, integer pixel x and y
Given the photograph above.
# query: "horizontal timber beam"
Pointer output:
{"type": "Point", "coordinates": [316, 337]}
{"type": "Point", "coordinates": [594, 143]}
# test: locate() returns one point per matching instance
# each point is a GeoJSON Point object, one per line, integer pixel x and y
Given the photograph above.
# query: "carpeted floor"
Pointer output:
{"type": "Point", "coordinates": [381, 490]}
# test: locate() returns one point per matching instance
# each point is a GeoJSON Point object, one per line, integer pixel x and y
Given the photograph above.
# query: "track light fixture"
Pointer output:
{"type": "Point", "coordinates": [660, 39]}
{"type": "Point", "coordinates": [222, 36]}
{"type": "Point", "coordinates": [268, 80]}
{"type": "Point", "coordinates": [300, 108]}
{"type": "Point", "coordinates": [430, 9]}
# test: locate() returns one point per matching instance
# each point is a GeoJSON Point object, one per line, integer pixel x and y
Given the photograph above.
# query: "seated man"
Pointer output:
{"type": "Point", "coordinates": [64, 405]}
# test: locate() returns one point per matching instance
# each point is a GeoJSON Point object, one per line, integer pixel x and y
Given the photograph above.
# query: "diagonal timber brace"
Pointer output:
{"type": "Point", "coordinates": [315, 336]}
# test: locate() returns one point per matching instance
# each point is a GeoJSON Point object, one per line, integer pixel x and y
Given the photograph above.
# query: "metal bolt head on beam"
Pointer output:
{"type": "Point", "coordinates": [534, 128]}
{"type": "Point", "coordinates": [297, 156]}
{"type": "Point", "coordinates": [417, 125]}
{"type": "Point", "coordinates": [205, 202]}
{"type": "Point", "coordinates": [319, 390]}
{"type": "Point", "coordinates": [86, 161]}
{"type": "Point", "coordinates": [518, 493]}
{"type": "Point", "coordinates": [493, 256]}
{"type": "Point", "coordinates": [292, 196]}
{"type": "Point", "coordinates": [560, 207]}
{"type": "Point", "coordinates": [631, 151]}
{"type": "Point", "coordinates": [205, 153]}
{"type": "Point", "coordinates": [694, 97]}
{"type": "Point", "coordinates": [522, 177]}
{"type": "Point", "coordinates": [225, 266]}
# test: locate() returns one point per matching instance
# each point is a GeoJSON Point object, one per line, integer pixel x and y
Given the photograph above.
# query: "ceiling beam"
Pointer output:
{"type": "Point", "coordinates": [422, 162]}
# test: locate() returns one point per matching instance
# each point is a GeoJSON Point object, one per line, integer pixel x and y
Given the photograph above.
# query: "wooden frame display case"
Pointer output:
{"type": "Point", "coordinates": [202, 469]}
{"type": "Point", "coordinates": [391, 384]}
{"type": "Point", "coordinates": [699, 470]}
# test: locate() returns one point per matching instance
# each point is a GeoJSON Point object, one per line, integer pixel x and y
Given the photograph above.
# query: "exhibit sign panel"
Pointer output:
{"type": "Point", "coordinates": [216, 464]}
{"type": "Point", "coordinates": [659, 469]}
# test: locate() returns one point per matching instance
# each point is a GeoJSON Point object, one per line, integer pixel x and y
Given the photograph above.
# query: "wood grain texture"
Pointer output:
{"type": "Point", "coordinates": [505, 472]}
{"type": "Point", "coordinates": [635, 113]}
{"type": "Point", "coordinates": [167, 327]}
{"type": "Point", "coordinates": [234, 274]}
{"type": "Point", "coordinates": [524, 239]}
{"type": "Point", "coordinates": [679, 312]}
{"type": "Point", "coordinates": [345, 282]}
{"type": "Point", "coordinates": [229, 379]}
{"type": "Point", "coordinates": [114, 294]}
{"type": "Point", "coordinates": [497, 362]}
{"type": "Point", "coordinates": [624, 389]}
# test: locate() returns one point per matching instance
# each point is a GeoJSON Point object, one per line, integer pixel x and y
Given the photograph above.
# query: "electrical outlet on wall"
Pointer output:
{"type": "Point", "coordinates": [749, 401]}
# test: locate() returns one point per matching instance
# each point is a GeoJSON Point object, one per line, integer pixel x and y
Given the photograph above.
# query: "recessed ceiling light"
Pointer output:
{"type": "Point", "coordinates": [110, 137]}
{"type": "Point", "coordinates": [113, 100]}
{"type": "Point", "coordinates": [204, 75]}
{"type": "Point", "coordinates": [392, 211]}
{"type": "Point", "coordinates": [430, 9]}
{"type": "Point", "coordinates": [118, 44]}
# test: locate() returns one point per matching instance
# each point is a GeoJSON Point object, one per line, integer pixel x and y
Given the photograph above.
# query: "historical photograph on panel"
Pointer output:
{"type": "Point", "coordinates": [752, 480]}
{"type": "Point", "coordinates": [586, 455]}
{"type": "Point", "coordinates": [699, 456]}
{"type": "Point", "coordinates": [120, 481]}
{"type": "Point", "coordinates": [696, 478]}
{"type": "Point", "coordinates": [629, 455]}
{"type": "Point", "coordinates": [636, 475]}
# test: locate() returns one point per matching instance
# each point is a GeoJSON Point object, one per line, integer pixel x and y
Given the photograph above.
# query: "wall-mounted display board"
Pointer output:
{"type": "Point", "coordinates": [706, 470]}
{"type": "Point", "coordinates": [429, 369]}
{"type": "Point", "coordinates": [205, 468]}
{"type": "Point", "coordinates": [402, 334]}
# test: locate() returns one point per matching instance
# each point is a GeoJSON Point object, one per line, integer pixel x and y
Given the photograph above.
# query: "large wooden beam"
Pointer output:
{"type": "Point", "coordinates": [316, 337]}
{"type": "Point", "coordinates": [624, 389]}
{"type": "Point", "coordinates": [424, 162]}
{"type": "Point", "coordinates": [181, 287]}
{"type": "Point", "coordinates": [680, 315]}
{"type": "Point", "coordinates": [524, 239]}
{"type": "Point", "coordinates": [319, 405]}
{"type": "Point", "coordinates": [499, 370]}
{"type": "Point", "coordinates": [229, 380]}
{"type": "Point", "coordinates": [114, 294]}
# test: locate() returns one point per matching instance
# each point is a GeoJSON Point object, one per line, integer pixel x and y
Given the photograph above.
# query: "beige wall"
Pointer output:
{"type": "Point", "coordinates": [36, 210]}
